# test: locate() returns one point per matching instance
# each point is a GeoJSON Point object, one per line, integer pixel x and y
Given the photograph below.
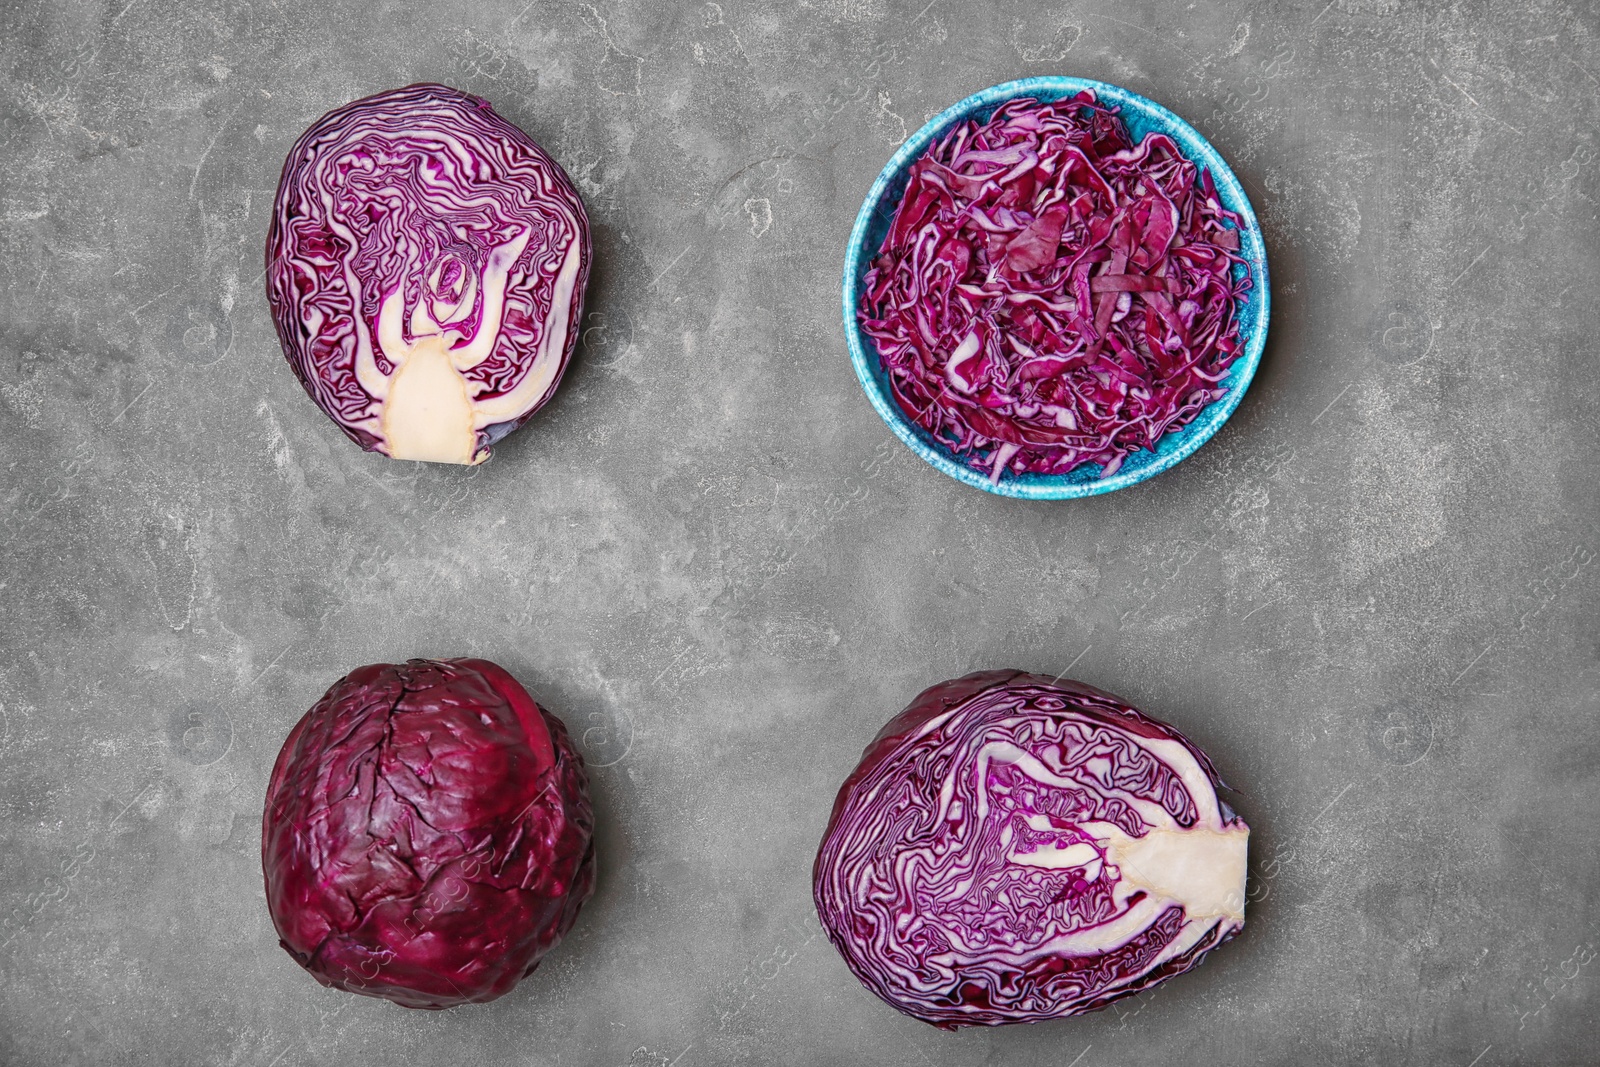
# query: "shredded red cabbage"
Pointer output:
{"type": "Point", "coordinates": [1051, 294]}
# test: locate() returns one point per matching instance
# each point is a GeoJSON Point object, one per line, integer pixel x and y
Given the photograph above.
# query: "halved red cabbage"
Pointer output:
{"type": "Point", "coordinates": [428, 834]}
{"type": "Point", "coordinates": [1015, 848]}
{"type": "Point", "coordinates": [1050, 294]}
{"type": "Point", "coordinates": [426, 265]}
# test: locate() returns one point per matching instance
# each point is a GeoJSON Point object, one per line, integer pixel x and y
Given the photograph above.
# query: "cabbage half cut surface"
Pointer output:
{"type": "Point", "coordinates": [1015, 848]}
{"type": "Point", "coordinates": [426, 265]}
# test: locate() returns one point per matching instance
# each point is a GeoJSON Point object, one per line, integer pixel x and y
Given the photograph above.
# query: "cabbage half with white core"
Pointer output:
{"type": "Point", "coordinates": [1015, 848]}
{"type": "Point", "coordinates": [426, 266]}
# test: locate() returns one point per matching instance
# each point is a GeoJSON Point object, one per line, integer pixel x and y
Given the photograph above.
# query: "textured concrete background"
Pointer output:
{"type": "Point", "coordinates": [1370, 598]}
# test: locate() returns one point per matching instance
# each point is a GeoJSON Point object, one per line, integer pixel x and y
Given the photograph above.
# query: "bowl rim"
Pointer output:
{"type": "Point", "coordinates": [1211, 417]}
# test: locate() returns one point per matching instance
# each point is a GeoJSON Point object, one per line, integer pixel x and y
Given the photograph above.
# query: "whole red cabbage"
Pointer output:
{"type": "Point", "coordinates": [1015, 848]}
{"type": "Point", "coordinates": [428, 834]}
{"type": "Point", "coordinates": [1050, 294]}
{"type": "Point", "coordinates": [426, 265]}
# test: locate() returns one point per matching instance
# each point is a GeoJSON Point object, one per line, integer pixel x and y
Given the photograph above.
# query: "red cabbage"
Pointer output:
{"type": "Point", "coordinates": [428, 834]}
{"type": "Point", "coordinates": [426, 265]}
{"type": "Point", "coordinates": [1050, 294]}
{"type": "Point", "coordinates": [1015, 848]}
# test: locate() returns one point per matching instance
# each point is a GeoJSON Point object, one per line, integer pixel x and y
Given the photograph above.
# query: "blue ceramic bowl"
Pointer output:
{"type": "Point", "coordinates": [1142, 116]}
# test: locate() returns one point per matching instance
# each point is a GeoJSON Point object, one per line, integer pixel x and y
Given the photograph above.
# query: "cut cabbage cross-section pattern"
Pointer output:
{"type": "Point", "coordinates": [1015, 848]}
{"type": "Point", "coordinates": [426, 267]}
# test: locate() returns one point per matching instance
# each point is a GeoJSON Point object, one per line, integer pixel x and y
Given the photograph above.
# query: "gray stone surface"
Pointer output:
{"type": "Point", "coordinates": [1371, 597]}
